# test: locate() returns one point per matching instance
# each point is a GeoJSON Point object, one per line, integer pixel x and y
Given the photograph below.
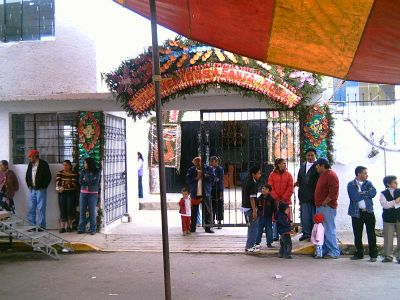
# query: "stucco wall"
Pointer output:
{"type": "Point", "coordinates": [135, 133]}
{"type": "Point", "coordinates": [66, 64]}
{"type": "Point", "coordinates": [351, 150]}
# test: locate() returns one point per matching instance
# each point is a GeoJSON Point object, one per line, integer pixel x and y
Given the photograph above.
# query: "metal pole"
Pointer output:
{"type": "Point", "coordinates": [161, 166]}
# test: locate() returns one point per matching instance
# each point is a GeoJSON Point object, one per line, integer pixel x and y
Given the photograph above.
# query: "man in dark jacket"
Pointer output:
{"type": "Point", "coordinates": [38, 177]}
{"type": "Point", "coordinates": [306, 181]}
{"type": "Point", "coordinates": [194, 179]}
{"type": "Point", "coordinates": [217, 191]}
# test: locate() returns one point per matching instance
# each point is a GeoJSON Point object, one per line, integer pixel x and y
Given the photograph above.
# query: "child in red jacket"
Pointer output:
{"type": "Point", "coordinates": [185, 211]}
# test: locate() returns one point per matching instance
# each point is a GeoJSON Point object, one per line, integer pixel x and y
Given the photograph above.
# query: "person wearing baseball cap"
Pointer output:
{"type": "Point", "coordinates": [38, 177]}
{"type": "Point", "coordinates": [326, 196]}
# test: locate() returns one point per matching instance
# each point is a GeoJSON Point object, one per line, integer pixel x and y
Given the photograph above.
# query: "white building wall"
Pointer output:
{"type": "Point", "coordinates": [105, 103]}
{"type": "Point", "coordinates": [351, 150]}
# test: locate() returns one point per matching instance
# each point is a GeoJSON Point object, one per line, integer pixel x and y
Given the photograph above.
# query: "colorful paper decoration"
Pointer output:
{"type": "Point", "coordinates": [316, 130]}
{"type": "Point", "coordinates": [90, 135]}
{"type": "Point", "coordinates": [215, 73]}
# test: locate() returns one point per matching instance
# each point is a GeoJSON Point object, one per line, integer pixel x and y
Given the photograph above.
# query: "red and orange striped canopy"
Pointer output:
{"type": "Point", "coordinates": [350, 39]}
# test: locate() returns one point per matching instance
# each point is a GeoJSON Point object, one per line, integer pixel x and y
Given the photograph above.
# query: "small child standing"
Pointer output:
{"type": "Point", "coordinates": [317, 234]}
{"type": "Point", "coordinates": [185, 211]}
{"type": "Point", "coordinates": [284, 230]}
{"type": "Point", "coordinates": [265, 210]}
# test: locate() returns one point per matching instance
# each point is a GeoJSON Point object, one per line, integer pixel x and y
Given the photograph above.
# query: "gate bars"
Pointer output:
{"type": "Point", "coordinates": [242, 139]}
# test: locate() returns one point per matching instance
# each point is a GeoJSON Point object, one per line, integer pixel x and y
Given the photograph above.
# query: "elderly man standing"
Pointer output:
{"type": "Point", "coordinates": [326, 196]}
{"type": "Point", "coordinates": [38, 177]}
{"type": "Point", "coordinates": [194, 179]}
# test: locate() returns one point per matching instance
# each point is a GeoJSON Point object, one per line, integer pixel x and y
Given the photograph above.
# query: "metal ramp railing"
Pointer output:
{"type": "Point", "coordinates": [34, 236]}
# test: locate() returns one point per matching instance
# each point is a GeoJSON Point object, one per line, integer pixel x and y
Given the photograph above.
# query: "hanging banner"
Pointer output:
{"type": "Point", "coordinates": [316, 130]}
{"type": "Point", "coordinates": [90, 136]}
{"type": "Point", "coordinates": [172, 145]}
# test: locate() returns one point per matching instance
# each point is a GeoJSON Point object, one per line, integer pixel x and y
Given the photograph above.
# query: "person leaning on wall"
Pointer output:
{"type": "Point", "coordinates": [8, 188]}
{"type": "Point", "coordinates": [66, 184]}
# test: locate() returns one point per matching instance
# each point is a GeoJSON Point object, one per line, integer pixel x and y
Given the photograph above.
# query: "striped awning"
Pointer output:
{"type": "Point", "coordinates": [350, 39]}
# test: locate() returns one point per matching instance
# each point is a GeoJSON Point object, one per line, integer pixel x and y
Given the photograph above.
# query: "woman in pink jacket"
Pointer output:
{"type": "Point", "coordinates": [282, 187]}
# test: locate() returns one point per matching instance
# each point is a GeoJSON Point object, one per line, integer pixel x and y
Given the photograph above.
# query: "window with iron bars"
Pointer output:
{"type": "Point", "coordinates": [53, 134]}
{"type": "Point", "coordinates": [26, 20]}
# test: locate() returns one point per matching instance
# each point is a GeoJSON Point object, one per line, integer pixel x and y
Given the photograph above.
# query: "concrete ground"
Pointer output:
{"type": "Point", "coordinates": [144, 234]}
{"type": "Point", "coordinates": [139, 275]}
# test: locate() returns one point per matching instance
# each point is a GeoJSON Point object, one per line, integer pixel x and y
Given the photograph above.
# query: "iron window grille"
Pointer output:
{"type": "Point", "coordinates": [53, 134]}
{"type": "Point", "coordinates": [26, 20]}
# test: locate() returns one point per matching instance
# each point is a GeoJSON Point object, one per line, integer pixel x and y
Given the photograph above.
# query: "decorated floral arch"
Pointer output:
{"type": "Point", "coordinates": [188, 67]}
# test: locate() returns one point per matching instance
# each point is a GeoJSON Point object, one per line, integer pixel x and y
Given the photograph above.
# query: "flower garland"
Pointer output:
{"type": "Point", "coordinates": [131, 82]}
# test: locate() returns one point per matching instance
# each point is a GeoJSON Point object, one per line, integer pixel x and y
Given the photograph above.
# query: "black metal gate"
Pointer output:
{"type": "Point", "coordinates": [114, 168]}
{"type": "Point", "coordinates": [242, 139]}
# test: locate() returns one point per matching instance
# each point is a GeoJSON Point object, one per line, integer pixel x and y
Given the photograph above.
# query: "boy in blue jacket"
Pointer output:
{"type": "Point", "coordinates": [284, 229]}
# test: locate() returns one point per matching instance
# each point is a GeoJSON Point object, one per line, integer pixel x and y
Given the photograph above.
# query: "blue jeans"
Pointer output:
{"type": "Point", "coordinates": [251, 229]}
{"type": "Point", "coordinates": [37, 202]}
{"type": "Point", "coordinates": [264, 222]}
{"type": "Point", "coordinates": [330, 246]}
{"type": "Point", "coordinates": [87, 202]}
{"type": "Point", "coordinates": [275, 231]}
{"type": "Point", "coordinates": [140, 186]}
{"type": "Point", "coordinates": [318, 250]}
{"type": "Point", "coordinates": [307, 211]}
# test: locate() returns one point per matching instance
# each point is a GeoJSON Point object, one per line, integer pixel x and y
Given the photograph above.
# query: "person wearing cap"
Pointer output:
{"type": "Point", "coordinates": [194, 179]}
{"type": "Point", "coordinates": [38, 177]}
{"type": "Point", "coordinates": [307, 178]}
{"type": "Point", "coordinates": [326, 196]}
{"type": "Point", "coordinates": [361, 210]}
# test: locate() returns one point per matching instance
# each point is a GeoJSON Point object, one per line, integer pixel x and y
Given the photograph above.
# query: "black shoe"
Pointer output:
{"type": "Point", "coordinates": [355, 257]}
{"type": "Point", "coordinates": [69, 229]}
{"type": "Point", "coordinates": [80, 232]}
{"type": "Point", "coordinates": [288, 257]}
{"type": "Point", "coordinates": [387, 259]}
{"type": "Point", "coordinates": [192, 230]}
{"type": "Point", "coordinates": [62, 230]}
{"type": "Point", "coordinates": [372, 259]}
{"type": "Point", "coordinates": [270, 246]}
{"type": "Point", "coordinates": [275, 239]}
{"type": "Point", "coordinates": [304, 237]}
{"type": "Point", "coordinates": [209, 230]}
{"type": "Point", "coordinates": [92, 232]}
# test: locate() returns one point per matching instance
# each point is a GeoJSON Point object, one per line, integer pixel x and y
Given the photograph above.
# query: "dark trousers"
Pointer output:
{"type": "Point", "coordinates": [206, 214]}
{"type": "Point", "coordinates": [217, 205]}
{"type": "Point", "coordinates": [307, 212]}
{"type": "Point", "coordinates": [358, 225]}
{"type": "Point", "coordinates": [140, 186]}
{"type": "Point", "coordinates": [286, 245]}
{"type": "Point", "coordinates": [66, 200]}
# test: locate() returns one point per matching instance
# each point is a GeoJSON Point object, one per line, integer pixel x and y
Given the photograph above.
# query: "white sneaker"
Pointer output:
{"type": "Point", "coordinates": [252, 250]}
{"type": "Point", "coordinates": [257, 246]}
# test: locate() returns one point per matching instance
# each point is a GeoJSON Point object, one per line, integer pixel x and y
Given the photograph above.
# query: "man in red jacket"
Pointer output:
{"type": "Point", "coordinates": [326, 196]}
